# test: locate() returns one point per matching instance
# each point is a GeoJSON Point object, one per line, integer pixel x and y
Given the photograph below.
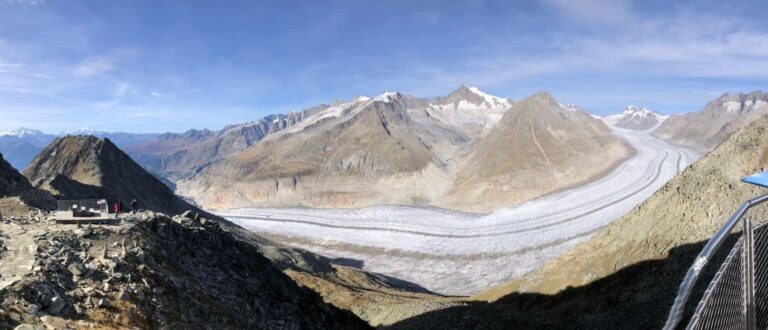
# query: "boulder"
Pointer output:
{"type": "Point", "coordinates": [56, 305]}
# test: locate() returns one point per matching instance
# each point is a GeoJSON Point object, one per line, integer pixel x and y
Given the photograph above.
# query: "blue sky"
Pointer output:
{"type": "Point", "coordinates": [156, 66]}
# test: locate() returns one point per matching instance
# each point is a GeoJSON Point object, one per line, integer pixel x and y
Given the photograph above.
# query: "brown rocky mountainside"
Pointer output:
{"type": "Point", "coordinates": [705, 129]}
{"type": "Point", "coordinates": [395, 149]}
{"type": "Point", "coordinates": [86, 167]}
{"type": "Point", "coordinates": [627, 274]}
{"type": "Point", "coordinates": [328, 163]}
{"type": "Point", "coordinates": [539, 146]}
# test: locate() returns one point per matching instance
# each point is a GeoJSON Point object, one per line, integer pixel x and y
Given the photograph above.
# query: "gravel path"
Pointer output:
{"type": "Point", "coordinates": [19, 257]}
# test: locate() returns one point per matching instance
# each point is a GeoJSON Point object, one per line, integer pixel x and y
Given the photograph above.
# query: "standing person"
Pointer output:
{"type": "Point", "coordinates": [135, 206]}
{"type": "Point", "coordinates": [118, 208]}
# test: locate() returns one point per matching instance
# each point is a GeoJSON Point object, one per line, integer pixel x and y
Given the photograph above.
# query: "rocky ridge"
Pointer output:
{"type": "Point", "coordinates": [705, 129]}
{"type": "Point", "coordinates": [131, 275]}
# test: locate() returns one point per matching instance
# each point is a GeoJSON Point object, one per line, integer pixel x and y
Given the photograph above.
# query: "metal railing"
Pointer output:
{"type": "Point", "coordinates": [729, 301]}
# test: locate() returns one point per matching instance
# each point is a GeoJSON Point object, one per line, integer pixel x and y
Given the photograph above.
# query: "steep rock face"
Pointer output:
{"type": "Point", "coordinates": [84, 167]}
{"type": "Point", "coordinates": [634, 117]}
{"type": "Point", "coordinates": [179, 155]}
{"type": "Point", "coordinates": [539, 146]}
{"type": "Point", "coordinates": [705, 129]}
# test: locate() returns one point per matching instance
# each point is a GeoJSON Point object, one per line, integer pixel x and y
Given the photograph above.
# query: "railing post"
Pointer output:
{"type": "Point", "coordinates": [749, 275]}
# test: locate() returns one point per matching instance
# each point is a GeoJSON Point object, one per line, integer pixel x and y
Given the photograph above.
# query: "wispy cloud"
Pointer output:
{"type": "Point", "coordinates": [93, 67]}
{"type": "Point", "coordinates": [594, 11]}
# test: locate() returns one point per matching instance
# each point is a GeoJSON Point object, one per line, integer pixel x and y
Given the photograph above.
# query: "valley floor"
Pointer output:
{"type": "Point", "coordinates": [458, 253]}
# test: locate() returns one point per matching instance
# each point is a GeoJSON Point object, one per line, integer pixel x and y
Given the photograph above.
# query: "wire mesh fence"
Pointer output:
{"type": "Point", "coordinates": [761, 276]}
{"type": "Point", "coordinates": [722, 306]}
{"type": "Point", "coordinates": [732, 296]}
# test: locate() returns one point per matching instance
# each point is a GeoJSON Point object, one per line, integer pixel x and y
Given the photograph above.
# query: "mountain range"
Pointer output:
{"type": "Point", "coordinates": [19, 146]}
{"type": "Point", "coordinates": [397, 149]}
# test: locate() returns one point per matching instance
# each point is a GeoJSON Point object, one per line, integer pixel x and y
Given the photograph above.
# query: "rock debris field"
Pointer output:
{"type": "Point", "coordinates": [460, 253]}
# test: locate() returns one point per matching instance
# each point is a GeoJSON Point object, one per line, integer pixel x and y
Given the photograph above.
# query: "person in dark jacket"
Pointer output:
{"type": "Point", "coordinates": [135, 206]}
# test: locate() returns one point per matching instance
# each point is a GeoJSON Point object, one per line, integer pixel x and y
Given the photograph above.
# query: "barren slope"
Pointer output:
{"type": "Point", "coordinates": [539, 146]}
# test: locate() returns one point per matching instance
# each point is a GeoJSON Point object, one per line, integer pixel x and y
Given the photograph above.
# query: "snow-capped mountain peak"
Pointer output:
{"type": "Point", "coordinates": [22, 132]}
{"type": "Point", "coordinates": [635, 117]}
{"type": "Point", "coordinates": [570, 107]}
{"type": "Point", "coordinates": [385, 97]}
{"type": "Point", "coordinates": [490, 99]}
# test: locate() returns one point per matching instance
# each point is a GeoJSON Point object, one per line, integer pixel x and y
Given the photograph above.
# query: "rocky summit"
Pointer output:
{"type": "Point", "coordinates": [152, 272]}
{"type": "Point", "coordinates": [86, 167]}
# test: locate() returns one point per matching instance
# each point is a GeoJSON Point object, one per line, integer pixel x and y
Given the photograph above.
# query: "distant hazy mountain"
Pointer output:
{"type": "Point", "coordinates": [19, 146]}
{"type": "Point", "coordinates": [397, 149]}
{"type": "Point", "coordinates": [179, 155]}
{"type": "Point", "coordinates": [634, 117]}
{"type": "Point", "coordinates": [705, 129]}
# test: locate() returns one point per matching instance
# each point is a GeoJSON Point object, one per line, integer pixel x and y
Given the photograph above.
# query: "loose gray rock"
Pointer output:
{"type": "Point", "coordinates": [56, 304]}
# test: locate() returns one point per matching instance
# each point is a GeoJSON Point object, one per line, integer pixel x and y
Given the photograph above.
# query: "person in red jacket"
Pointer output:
{"type": "Point", "coordinates": [118, 205]}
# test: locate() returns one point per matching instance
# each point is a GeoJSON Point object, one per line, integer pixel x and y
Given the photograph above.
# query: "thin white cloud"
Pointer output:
{"type": "Point", "coordinates": [594, 11]}
{"type": "Point", "coordinates": [10, 67]}
{"type": "Point", "coordinates": [93, 66]}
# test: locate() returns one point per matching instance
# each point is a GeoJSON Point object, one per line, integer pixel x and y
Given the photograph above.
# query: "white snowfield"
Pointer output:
{"type": "Point", "coordinates": [458, 253]}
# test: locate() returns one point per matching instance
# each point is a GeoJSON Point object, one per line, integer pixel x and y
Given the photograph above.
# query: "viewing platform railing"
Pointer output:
{"type": "Point", "coordinates": [737, 296]}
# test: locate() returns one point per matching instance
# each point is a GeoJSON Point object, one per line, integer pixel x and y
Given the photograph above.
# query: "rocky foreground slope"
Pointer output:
{"type": "Point", "coordinates": [705, 129]}
{"type": "Point", "coordinates": [396, 149]}
{"type": "Point", "coordinates": [86, 167]}
{"type": "Point", "coordinates": [150, 272]}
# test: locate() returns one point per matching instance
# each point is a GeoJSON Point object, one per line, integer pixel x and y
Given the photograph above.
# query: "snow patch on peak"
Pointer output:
{"type": "Point", "coordinates": [362, 99]}
{"type": "Point", "coordinates": [385, 97]}
{"type": "Point", "coordinates": [490, 99]}
{"type": "Point", "coordinates": [22, 132]}
{"type": "Point", "coordinates": [570, 107]}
